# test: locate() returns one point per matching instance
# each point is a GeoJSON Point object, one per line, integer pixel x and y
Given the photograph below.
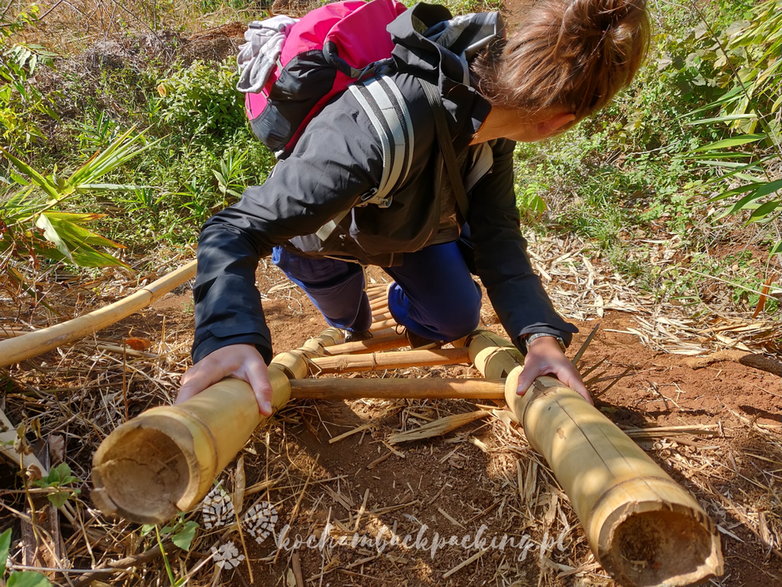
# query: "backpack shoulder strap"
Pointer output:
{"type": "Point", "coordinates": [446, 145]}
{"type": "Point", "coordinates": [383, 103]}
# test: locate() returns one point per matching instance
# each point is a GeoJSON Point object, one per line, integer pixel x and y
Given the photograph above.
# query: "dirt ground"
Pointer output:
{"type": "Point", "coordinates": [480, 482]}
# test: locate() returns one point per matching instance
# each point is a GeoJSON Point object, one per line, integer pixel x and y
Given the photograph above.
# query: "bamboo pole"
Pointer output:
{"type": "Point", "coordinates": [166, 459]}
{"type": "Point", "coordinates": [392, 360]}
{"type": "Point", "coordinates": [429, 388]}
{"type": "Point", "coordinates": [383, 324]}
{"type": "Point", "coordinates": [643, 527]}
{"type": "Point", "coordinates": [376, 343]}
{"type": "Point", "coordinates": [38, 342]}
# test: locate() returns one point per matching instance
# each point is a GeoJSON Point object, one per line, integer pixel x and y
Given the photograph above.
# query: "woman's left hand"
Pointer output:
{"type": "Point", "coordinates": [545, 357]}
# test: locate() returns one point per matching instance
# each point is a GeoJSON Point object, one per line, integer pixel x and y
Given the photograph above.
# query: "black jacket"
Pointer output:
{"type": "Point", "coordinates": [337, 160]}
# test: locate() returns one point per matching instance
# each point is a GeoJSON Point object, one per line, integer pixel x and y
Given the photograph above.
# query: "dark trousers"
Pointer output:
{"type": "Point", "coordinates": [433, 294]}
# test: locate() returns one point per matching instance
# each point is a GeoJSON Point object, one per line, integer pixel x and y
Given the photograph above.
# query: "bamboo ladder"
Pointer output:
{"type": "Point", "coordinates": [642, 526]}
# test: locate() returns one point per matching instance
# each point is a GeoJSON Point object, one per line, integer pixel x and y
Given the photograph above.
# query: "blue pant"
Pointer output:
{"type": "Point", "coordinates": [433, 294]}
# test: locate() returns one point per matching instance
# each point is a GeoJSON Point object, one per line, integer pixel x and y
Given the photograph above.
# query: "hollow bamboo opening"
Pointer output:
{"type": "Point", "coordinates": [659, 547]}
{"type": "Point", "coordinates": [144, 474]}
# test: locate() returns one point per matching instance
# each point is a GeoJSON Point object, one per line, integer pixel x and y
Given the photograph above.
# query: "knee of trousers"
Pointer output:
{"type": "Point", "coordinates": [453, 316]}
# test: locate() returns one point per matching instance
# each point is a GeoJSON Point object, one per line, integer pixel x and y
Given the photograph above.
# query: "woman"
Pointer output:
{"type": "Point", "coordinates": [566, 60]}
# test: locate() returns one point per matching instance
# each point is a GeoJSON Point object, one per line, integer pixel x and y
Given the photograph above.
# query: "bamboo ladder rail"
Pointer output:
{"type": "Point", "coordinates": [643, 527]}
{"type": "Point", "coordinates": [38, 342]}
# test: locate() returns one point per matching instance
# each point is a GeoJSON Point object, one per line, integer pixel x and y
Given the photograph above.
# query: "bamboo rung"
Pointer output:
{"type": "Point", "coordinates": [428, 388]}
{"type": "Point", "coordinates": [392, 360]}
{"type": "Point", "coordinates": [383, 324]}
{"type": "Point", "coordinates": [376, 343]}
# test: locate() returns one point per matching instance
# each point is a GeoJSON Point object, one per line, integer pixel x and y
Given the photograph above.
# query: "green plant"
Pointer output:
{"type": "Point", "coordinates": [531, 204]}
{"type": "Point", "coordinates": [181, 532]}
{"type": "Point", "coordinates": [752, 105]}
{"type": "Point", "coordinates": [20, 101]}
{"type": "Point", "coordinates": [199, 104]}
{"type": "Point", "coordinates": [29, 225]}
{"type": "Point", "coordinates": [58, 479]}
{"type": "Point", "coordinates": [18, 578]}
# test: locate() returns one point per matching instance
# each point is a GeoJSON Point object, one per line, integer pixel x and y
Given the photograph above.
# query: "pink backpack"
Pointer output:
{"type": "Point", "coordinates": [291, 68]}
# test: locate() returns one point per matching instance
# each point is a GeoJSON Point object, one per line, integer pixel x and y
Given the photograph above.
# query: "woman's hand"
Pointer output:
{"type": "Point", "coordinates": [545, 357]}
{"type": "Point", "coordinates": [242, 361]}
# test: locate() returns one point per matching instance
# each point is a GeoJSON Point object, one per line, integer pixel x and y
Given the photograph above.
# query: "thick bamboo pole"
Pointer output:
{"type": "Point", "coordinates": [165, 460]}
{"type": "Point", "coordinates": [429, 388]}
{"type": "Point", "coordinates": [36, 343]}
{"type": "Point", "coordinates": [643, 527]}
{"type": "Point", "coordinates": [392, 360]}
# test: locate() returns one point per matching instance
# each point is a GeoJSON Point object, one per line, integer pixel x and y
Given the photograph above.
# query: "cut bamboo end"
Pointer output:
{"type": "Point", "coordinates": [165, 460]}
{"type": "Point", "coordinates": [658, 538]}
{"type": "Point", "coordinates": [644, 528]}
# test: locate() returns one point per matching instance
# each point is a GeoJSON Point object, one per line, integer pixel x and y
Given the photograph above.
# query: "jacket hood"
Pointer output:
{"type": "Point", "coordinates": [430, 43]}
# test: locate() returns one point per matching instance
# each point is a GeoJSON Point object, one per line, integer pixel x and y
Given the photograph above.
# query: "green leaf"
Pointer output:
{"type": "Point", "coordinates": [5, 547]}
{"type": "Point", "coordinates": [760, 188]}
{"type": "Point", "coordinates": [777, 248]}
{"type": "Point", "coordinates": [184, 538]}
{"type": "Point", "coordinates": [59, 498]}
{"type": "Point", "coordinates": [764, 210]}
{"type": "Point", "coordinates": [731, 142]}
{"type": "Point", "coordinates": [726, 118]}
{"type": "Point", "coordinates": [28, 579]}
{"type": "Point", "coordinates": [57, 476]}
{"type": "Point", "coordinates": [75, 242]}
{"type": "Point", "coordinates": [38, 179]}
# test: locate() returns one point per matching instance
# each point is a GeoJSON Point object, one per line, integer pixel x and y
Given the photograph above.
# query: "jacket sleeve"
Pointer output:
{"type": "Point", "coordinates": [336, 161]}
{"type": "Point", "coordinates": [500, 255]}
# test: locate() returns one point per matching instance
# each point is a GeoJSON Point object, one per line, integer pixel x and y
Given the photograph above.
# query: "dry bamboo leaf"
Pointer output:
{"type": "Point", "coordinates": [240, 482]}
{"type": "Point", "coordinates": [438, 427]}
{"type": "Point", "coordinates": [344, 435]}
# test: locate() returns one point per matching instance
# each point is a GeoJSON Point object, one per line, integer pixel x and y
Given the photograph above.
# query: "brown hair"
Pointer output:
{"type": "Point", "coordinates": [575, 54]}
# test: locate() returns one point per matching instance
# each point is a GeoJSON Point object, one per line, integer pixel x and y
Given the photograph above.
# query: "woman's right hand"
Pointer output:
{"type": "Point", "coordinates": [242, 361]}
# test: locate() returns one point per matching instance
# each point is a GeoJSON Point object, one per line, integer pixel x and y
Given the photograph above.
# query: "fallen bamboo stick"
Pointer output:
{"type": "Point", "coordinates": [22, 456]}
{"type": "Point", "coordinates": [428, 388]}
{"type": "Point", "coordinates": [165, 460]}
{"type": "Point", "coordinates": [38, 342]}
{"type": "Point", "coordinates": [392, 360]}
{"type": "Point", "coordinates": [438, 427]}
{"type": "Point", "coordinates": [642, 526]}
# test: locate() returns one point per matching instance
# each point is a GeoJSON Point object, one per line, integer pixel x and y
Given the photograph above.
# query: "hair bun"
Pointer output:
{"type": "Point", "coordinates": [589, 19]}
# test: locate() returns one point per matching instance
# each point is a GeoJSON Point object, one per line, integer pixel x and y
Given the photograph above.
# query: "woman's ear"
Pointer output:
{"type": "Point", "coordinates": [555, 124]}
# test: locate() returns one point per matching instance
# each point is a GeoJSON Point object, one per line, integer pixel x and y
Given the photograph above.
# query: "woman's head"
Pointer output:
{"type": "Point", "coordinates": [566, 54]}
